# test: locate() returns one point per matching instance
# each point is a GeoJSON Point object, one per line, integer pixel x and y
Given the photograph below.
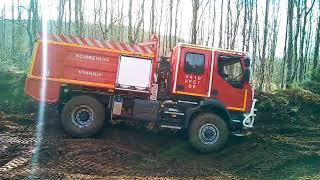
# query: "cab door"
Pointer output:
{"type": "Point", "coordinates": [227, 85]}
{"type": "Point", "coordinates": [193, 71]}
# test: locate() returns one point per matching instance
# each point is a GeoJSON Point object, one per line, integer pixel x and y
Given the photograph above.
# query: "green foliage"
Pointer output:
{"type": "Point", "coordinates": [315, 75]}
{"type": "Point", "coordinates": [294, 106]}
{"type": "Point", "coordinates": [12, 96]}
{"type": "Point", "coordinates": [313, 84]}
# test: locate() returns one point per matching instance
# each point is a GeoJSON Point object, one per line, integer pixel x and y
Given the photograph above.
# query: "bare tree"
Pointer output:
{"type": "Point", "coordinates": [2, 31]}
{"type": "Point", "coordinates": [176, 22]}
{"type": "Point", "coordinates": [264, 44]}
{"type": "Point", "coordinates": [295, 42]}
{"type": "Point", "coordinates": [250, 25]}
{"type": "Point", "coordinates": [140, 20]}
{"type": "Point", "coordinates": [302, 38]}
{"type": "Point", "coordinates": [160, 19]}
{"type": "Point", "coordinates": [170, 22]}
{"type": "Point", "coordinates": [274, 39]}
{"type": "Point", "coordinates": [236, 24]}
{"type": "Point", "coordinates": [213, 22]}
{"type": "Point", "coordinates": [13, 43]}
{"type": "Point", "coordinates": [244, 24]}
{"type": "Point", "coordinates": [195, 8]}
{"type": "Point", "coordinates": [32, 23]}
{"type": "Point", "coordinates": [220, 28]}
{"type": "Point", "coordinates": [228, 26]}
{"type": "Point", "coordinates": [70, 14]}
{"type": "Point", "coordinates": [289, 50]}
{"type": "Point", "coordinates": [79, 20]}
{"type": "Point", "coordinates": [152, 24]}
{"type": "Point", "coordinates": [60, 15]}
{"type": "Point", "coordinates": [317, 42]}
{"type": "Point", "coordinates": [111, 18]}
{"type": "Point", "coordinates": [130, 38]}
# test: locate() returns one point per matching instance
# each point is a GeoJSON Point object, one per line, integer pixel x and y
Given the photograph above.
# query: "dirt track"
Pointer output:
{"type": "Point", "coordinates": [123, 152]}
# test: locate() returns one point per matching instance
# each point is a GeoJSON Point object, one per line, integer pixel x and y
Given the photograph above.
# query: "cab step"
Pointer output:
{"type": "Point", "coordinates": [170, 127]}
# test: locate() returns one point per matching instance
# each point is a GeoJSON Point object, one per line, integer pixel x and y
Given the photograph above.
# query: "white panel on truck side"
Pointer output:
{"type": "Point", "coordinates": [134, 73]}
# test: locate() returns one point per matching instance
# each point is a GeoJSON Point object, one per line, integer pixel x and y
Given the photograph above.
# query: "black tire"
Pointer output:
{"type": "Point", "coordinates": [91, 121]}
{"type": "Point", "coordinates": [208, 132]}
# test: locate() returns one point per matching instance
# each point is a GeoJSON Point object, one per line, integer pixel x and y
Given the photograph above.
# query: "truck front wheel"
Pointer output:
{"type": "Point", "coordinates": [83, 116]}
{"type": "Point", "coordinates": [208, 132]}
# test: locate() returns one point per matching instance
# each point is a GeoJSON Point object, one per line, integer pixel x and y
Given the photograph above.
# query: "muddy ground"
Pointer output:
{"type": "Point", "coordinates": [120, 151]}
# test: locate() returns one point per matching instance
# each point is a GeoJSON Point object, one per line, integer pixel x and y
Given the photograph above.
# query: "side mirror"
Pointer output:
{"type": "Point", "coordinates": [247, 62]}
{"type": "Point", "coordinates": [246, 75]}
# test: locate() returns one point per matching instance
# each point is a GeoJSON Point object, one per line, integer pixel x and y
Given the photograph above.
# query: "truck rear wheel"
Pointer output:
{"type": "Point", "coordinates": [208, 132]}
{"type": "Point", "coordinates": [83, 116]}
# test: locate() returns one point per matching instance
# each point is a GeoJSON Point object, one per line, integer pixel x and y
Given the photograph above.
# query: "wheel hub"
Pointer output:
{"type": "Point", "coordinates": [82, 116]}
{"type": "Point", "coordinates": [208, 134]}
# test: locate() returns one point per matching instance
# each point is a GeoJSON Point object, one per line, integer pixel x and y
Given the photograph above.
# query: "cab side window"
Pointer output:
{"type": "Point", "coordinates": [194, 63]}
{"type": "Point", "coordinates": [230, 69]}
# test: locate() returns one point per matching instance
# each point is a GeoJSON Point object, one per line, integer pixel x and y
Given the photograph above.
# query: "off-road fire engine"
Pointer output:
{"type": "Point", "coordinates": [204, 91]}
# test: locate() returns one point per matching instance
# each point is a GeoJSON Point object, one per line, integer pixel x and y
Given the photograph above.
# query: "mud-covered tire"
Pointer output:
{"type": "Point", "coordinates": [83, 116]}
{"type": "Point", "coordinates": [208, 132]}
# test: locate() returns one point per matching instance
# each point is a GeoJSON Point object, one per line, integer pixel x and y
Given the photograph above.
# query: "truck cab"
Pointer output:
{"type": "Point", "coordinates": [212, 74]}
{"type": "Point", "coordinates": [205, 92]}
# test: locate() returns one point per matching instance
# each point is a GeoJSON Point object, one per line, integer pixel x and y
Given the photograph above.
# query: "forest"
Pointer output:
{"type": "Point", "coordinates": [282, 38]}
{"type": "Point", "coordinates": [284, 46]}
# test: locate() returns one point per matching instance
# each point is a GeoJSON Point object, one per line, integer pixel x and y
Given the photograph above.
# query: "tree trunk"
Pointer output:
{"type": "Point", "coordinates": [289, 51]}
{"type": "Point", "coordinates": [141, 18]}
{"type": "Point", "coordinates": [295, 42]}
{"type": "Point", "coordinates": [195, 8]}
{"type": "Point", "coordinates": [220, 30]}
{"type": "Point", "coordinates": [60, 15]}
{"type": "Point", "coordinates": [176, 22]}
{"type": "Point", "coordinates": [227, 30]}
{"type": "Point", "coordinates": [152, 28]}
{"type": "Point", "coordinates": [275, 30]}
{"type": "Point", "coordinates": [317, 42]}
{"type": "Point", "coordinates": [170, 23]}
{"type": "Point", "coordinates": [76, 17]}
{"type": "Point", "coordinates": [70, 13]}
{"type": "Point", "coordinates": [250, 26]}
{"type": "Point", "coordinates": [236, 24]}
{"type": "Point", "coordinates": [12, 31]}
{"type": "Point", "coordinates": [302, 41]}
{"type": "Point", "coordinates": [213, 23]}
{"type": "Point", "coordinates": [244, 25]}
{"type": "Point", "coordinates": [110, 29]}
{"type": "Point", "coordinates": [130, 38]}
{"type": "Point", "coordinates": [264, 44]}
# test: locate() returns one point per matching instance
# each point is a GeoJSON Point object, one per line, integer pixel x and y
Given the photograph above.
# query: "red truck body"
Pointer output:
{"type": "Point", "coordinates": [130, 75]}
{"type": "Point", "coordinates": [79, 61]}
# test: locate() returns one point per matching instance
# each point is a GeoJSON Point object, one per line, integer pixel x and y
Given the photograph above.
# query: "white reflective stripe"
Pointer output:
{"type": "Point", "coordinates": [211, 72]}
{"type": "Point", "coordinates": [119, 46]}
{"type": "Point", "coordinates": [177, 68]}
{"type": "Point", "coordinates": [69, 40]}
{"type": "Point", "coordinates": [188, 102]}
{"type": "Point", "coordinates": [129, 47]}
{"type": "Point", "coordinates": [109, 46]}
{"type": "Point", "coordinates": [148, 49]}
{"type": "Point", "coordinates": [138, 49]}
{"type": "Point", "coordinates": [99, 43]}
{"type": "Point", "coordinates": [171, 127]}
{"type": "Point", "coordinates": [78, 40]}
{"type": "Point", "coordinates": [175, 113]}
{"type": "Point", "coordinates": [58, 38]}
{"type": "Point", "coordinates": [89, 42]}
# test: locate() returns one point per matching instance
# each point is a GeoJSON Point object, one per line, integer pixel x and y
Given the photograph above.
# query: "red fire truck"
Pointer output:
{"type": "Point", "coordinates": [204, 91]}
